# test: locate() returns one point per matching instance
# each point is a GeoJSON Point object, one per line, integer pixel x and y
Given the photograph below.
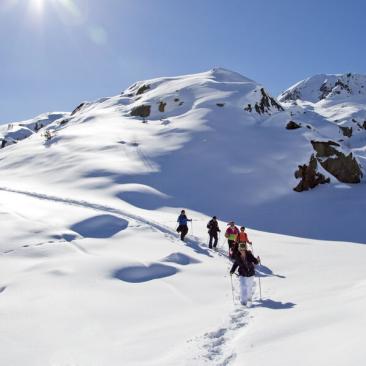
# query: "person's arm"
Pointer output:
{"type": "Point", "coordinates": [233, 268]}
{"type": "Point", "coordinates": [252, 258]}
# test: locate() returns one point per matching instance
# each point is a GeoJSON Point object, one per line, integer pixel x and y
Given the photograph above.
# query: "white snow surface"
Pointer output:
{"type": "Point", "coordinates": [92, 271]}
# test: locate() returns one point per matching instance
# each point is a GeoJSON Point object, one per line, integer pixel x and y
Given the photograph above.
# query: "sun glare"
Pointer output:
{"type": "Point", "coordinates": [37, 6]}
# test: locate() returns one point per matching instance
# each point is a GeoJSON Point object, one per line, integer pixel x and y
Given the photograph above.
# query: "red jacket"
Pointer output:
{"type": "Point", "coordinates": [242, 238]}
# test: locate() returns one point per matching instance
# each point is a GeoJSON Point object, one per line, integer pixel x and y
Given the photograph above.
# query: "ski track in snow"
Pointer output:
{"type": "Point", "coordinates": [194, 244]}
{"type": "Point", "coordinates": [215, 348]}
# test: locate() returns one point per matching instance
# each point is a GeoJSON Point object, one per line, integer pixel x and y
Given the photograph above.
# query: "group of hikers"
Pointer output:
{"type": "Point", "coordinates": [240, 252]}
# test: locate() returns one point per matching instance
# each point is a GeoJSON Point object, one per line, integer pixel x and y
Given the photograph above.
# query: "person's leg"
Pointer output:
{"type": "Point", "coordinates": [243, 298]}
{"type": "Point", "coordinates": [249, 285]}
{"type": "Point", "coordinates": [210, 242]}
{"type": "Point", "coordinates": [183, 232]}
{"type": "Point", "coordinates": [230, 243]}
{"type": "Point", "coordinates": [215, 242]}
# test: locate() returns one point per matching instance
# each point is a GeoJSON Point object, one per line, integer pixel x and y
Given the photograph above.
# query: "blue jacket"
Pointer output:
{"type": "Point", "coordinates": [182, 219]}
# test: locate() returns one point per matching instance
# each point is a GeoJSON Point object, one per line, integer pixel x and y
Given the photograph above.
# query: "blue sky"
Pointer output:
{"type": "Point", "coordinates": [56, 53]}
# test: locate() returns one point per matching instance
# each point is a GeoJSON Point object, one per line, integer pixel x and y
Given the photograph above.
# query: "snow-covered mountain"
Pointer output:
{"type": "Point", "coordinates": [92, 271]}
{"type": "Point", "coordinates": [12, 133]}
{"type": "Point", "coordinates": [216, 142]}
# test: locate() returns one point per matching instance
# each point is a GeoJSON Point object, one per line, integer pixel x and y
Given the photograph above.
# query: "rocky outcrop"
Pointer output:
{"type": "Point", "coordinates": [347, 131]}
{"type": "Point", "coordinates": [248, 108]}
{"type": "Point", "coordinates": [266, 103]}
{"type": "Point", "coordinates": [141, 111]}
{"type": "Point", "coordinates": [344, 167]}
{"type": "Point", "coordinates": [162, 106]}
{"type": "Point", "coordinates": [220, 104]}
{"type": "Point", "coordinates": [292, 125]}
{"type": "Point", "coordinates": [78, 108]}
{"type": "Point", "coordinates": [309, 176]}
{"type": "Point", "coordinates": [142, 89]}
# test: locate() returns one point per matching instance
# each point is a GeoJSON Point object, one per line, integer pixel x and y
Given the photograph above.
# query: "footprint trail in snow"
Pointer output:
{"type": "Point", "coordinates": [215, 348]}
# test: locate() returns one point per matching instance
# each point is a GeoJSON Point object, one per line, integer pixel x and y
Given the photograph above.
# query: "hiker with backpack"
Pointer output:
{"type": "Point", "coordinates": [182, 227]}
{"type": "Point", "coordinates": [245, 261]}
{"type": "Point", "coordinates": [213, 229]}
{"type": "Point", "coordinates": [231, 234]}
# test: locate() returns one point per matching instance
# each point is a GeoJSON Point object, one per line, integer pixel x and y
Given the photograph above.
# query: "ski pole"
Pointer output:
{"type": "Point", "coordinates": [260, 285]}
{"type": "Point", "coordinates": [232, 288]}
{"type": "Point", "coordinates": [260, 289]}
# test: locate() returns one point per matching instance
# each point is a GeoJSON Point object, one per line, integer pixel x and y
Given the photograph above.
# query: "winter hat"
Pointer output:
{"type": "Point", "coordinates": [242, 246]}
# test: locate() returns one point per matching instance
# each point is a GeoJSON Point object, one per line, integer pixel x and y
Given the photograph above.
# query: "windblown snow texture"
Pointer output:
{"type": "Point", "coordinates": [92, 271]}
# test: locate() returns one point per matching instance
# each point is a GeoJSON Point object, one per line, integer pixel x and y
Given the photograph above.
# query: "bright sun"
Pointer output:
{"type": "Point", "coordinates": [37, 5]}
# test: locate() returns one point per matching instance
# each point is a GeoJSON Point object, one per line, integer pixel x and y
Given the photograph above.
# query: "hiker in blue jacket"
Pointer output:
{"type": "Point", "coordinates": [182, 227]}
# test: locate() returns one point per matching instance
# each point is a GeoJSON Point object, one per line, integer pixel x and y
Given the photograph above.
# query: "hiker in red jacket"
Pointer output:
{"type": "Point", "coordinates": [231, 234]}
{"type": "Point", "coordinates": [242, 238]}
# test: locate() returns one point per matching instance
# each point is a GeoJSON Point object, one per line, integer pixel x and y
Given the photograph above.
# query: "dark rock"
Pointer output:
{"type": "Point", "coordinates": [176, 100]}
{"type": "Point", "coordinates": [78, 108]}
{"type": "Point", "coordinates": [141, 111]}
{"type": "Point", "coordinates": [344, 167]}
{"type": "Point", "coordinates": [3, 143]}
{"type": "Point", "coordinates": [248, 108]}
{"type": "Point", "coordinates": [162, 107]}
{"type": "Point", "coordinates": [325, 148]}
{"type": "Point", "coordinates": [220, 104]}
{"type": "Point", "coordinates": [347, 131]}
{"type": "Point", "coordinates": [181, 103]}
{"type": "Point", "coordinates": [266, 103]}
{"type": "Point", "coordinates": [142, 89]}
{"type": "Point", "coordinates": [325, 90]}
{"type": "Point", "coordinates": [343, 86]}
{"type": "Point", "coordinates": [63, 122]}
{"type": "Point", "coordinates": [292, 125]}
{"type": "Point", "coordinates": [310, 177]}
{"type": "Point", "coordinates": [291, 95]}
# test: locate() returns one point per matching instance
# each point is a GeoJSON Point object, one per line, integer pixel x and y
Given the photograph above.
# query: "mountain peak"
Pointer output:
{"type": "Point", "coordinates": [221, 74]}
{"type": "Point", "coordinates": [326, 86]}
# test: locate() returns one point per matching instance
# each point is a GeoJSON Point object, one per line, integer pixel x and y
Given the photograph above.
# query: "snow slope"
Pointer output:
{"type": "Point", "coordinates": [90, 284]}
{"type": "Point", "coordinates": [202, 147]}
{"type": "Point", "coordinates": [12, 133]}
{"type": "Point", "coordinates": [92, 271]}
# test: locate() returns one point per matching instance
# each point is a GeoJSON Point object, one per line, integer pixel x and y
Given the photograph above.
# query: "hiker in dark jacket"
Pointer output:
{"type": "Point", "coordinates": [245, 261]}
{"type": "Point", "coordinates": [213, 229]}
{"type": "Point", "coordinates": [183, 227]}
